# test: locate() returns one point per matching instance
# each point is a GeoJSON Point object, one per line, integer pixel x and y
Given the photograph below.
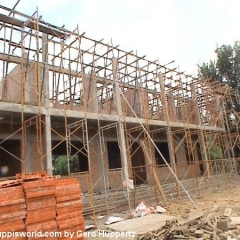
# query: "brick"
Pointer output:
{"type": "Point", "coordinates": [9, 220]}
{"type": "Point", "coordinates": [66, 215]}
{"type": "Point", "coordinates": [70, 221]}
{"type": "Point", "coordinates": [13, 207]}
{"type": "Point", "coordinates": [11, 214]}
{"type": "Point", "coordinates": [10, 183]}
{"type": "Point", "coordinates": [66, 198]}
{"type": "Point", "coordinates": [31, 175]}
{"type": "Point", "coordinates": [40, 192]}
{"type": "Point", "coordinates": [39, 215]}
{"type": "Point", "coordinates": [12, 225]}
{"type": "Point", "coordinates": [46, 225]}
{"type": "Point", "coordinates": [37, 203]}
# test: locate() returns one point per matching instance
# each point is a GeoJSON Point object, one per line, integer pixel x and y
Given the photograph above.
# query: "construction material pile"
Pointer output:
{"type": "Point", "coordinates": [221, 223]}
{"type": "Point", "coordinates": [12, 207]}
{"type": "Point", "coordinates": [69, 207]}
{"type": "Point", "coordinates": [39, 206]}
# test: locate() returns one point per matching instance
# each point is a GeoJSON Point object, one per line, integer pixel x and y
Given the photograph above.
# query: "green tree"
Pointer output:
{"type": "Point", "coordinates": [226, 67]}
{"type": "Point", "coordinates": [61, 168]}
{"type": "Point", "coordinates": [215, 152]}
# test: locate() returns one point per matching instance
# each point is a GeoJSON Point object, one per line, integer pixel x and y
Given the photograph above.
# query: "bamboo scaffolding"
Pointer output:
{"type": "Point", "coordinates": [80, 93]}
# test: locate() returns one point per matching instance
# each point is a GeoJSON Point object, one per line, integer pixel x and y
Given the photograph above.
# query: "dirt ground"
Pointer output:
{"type": "Point", "coordinates": [226, 197]}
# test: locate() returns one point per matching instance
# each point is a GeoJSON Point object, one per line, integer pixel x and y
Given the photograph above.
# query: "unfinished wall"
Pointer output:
{"type": "Point", "coordinates": [13, 89]}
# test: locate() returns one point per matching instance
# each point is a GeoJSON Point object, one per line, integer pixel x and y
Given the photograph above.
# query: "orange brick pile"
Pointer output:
{"type": "Point", "coordinates": [69, 207]}
{"type": "Point", "coordinates": [42, 203]}
{"type": "Point", "coordinates": [12, 207]}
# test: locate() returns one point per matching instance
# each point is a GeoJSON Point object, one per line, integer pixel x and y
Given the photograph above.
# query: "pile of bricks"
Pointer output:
{"type": "Point", "coordinates": [41, 204]}
{"type": "Point", "coordinates": [69, 207]}
{"type": "Point", "coordinates": [12, 207]}
{"type": "Point", "coordinates": [37, 202]}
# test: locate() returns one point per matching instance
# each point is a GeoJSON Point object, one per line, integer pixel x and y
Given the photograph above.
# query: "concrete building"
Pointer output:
{"type": "Point", "coordinates": [112, 114]}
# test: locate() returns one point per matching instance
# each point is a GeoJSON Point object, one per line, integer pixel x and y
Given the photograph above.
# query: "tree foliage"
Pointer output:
{"type": "Point", "coordinates": [226, 67]}
{"type": "Point", "coordinates": [214, 151]}
{"type": "Point", "coordinates": [61, 168]}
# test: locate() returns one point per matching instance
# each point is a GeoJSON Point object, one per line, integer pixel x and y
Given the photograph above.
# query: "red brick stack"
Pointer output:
{"type": "Point", "coordinates": [37, 202]}
{"type": "Point", "coordinates": [12, 207]}
{"type": "Point", "coordinates": [69, 207]}
{"type": "Point", "coordinates": [41, 204]}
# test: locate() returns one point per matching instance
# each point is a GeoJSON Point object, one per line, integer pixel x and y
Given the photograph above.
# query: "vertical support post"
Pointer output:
{"type": "Point", "coordinates": [201, 135]}
{"type": "Point", "coordinates": [121, 127]}
{"type": "Point", "coordinates": [169, 133]}
{"type": "Point", "coordinates": [122, 140]}
{"type": "Point", "coordinates": [46, 101]}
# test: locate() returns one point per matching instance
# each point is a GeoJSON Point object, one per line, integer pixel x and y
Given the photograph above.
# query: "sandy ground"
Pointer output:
{"type": "Point", "coordinates": [228, 197]}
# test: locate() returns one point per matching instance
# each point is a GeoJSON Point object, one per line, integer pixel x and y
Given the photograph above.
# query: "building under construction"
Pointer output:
{"type": "Point", "coordinates": [79, 107]}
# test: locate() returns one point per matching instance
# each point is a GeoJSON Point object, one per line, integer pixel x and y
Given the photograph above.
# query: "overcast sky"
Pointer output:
{"type": "Point", "coordinates": [186, 31]}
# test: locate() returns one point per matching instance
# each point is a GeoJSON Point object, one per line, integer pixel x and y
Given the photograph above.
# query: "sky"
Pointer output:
{"type": "Point", "coordinates": [186, 31]}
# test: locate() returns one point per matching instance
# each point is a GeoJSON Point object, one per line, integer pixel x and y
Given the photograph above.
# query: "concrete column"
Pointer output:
{"type": "Point", "coordinates": [46, 101]}
{"type": "Point", "coordinates": [90, 92]}
{"type": "Point", "coordinates": [28, 163]}
{"type": "Point", "coordinates": [166, 118]}
{"type": "Point", "coordinates": [171, 108]}
{"type": "Point", "coordinates": [122, 140]}
{"type": "Point", "coordinates": [143, 103]}
{"type": "Point", "coordinates": [26, 79]}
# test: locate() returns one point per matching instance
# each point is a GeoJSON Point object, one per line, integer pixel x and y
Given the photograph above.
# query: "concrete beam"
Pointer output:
{"type": "Point", "coordinates": [15, 107]}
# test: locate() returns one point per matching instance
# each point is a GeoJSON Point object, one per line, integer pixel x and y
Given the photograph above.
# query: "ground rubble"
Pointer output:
{"type": "Point", "coordinates": [221, 223]}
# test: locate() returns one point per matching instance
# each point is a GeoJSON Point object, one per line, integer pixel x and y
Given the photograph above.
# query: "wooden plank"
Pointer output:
{"type": "Point", "coordinates": [227, 212]}
{"type": "Point", "coordinates": [235, 220]}
{"type": "Point", "coordinates": [142, 225]}
{"type": "Point", "coordinates": [195, 214]}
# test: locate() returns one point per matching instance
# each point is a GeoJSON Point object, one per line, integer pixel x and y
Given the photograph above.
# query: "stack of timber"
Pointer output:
{"type": "Point", "coordinates": [69, 207]}
{"type": "Point", "coordinates": [38, 202]}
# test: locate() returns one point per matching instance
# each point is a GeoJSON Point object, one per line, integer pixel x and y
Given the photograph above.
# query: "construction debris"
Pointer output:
{"type": "Point", "coordinates": [196, 225]}
{"type": "Point", "coordinates": [113, 219]}
{"type": "Point", "coordinates": [143, 225]}
{"type": "Point", "coordinates": [98, 217]}
{"type": "Point", "coordinates": [142, 209]}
